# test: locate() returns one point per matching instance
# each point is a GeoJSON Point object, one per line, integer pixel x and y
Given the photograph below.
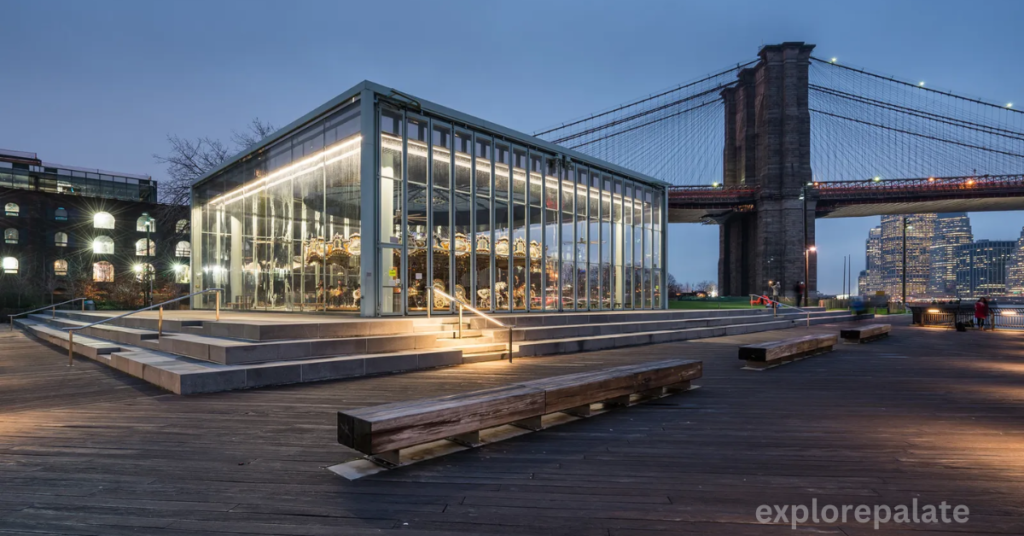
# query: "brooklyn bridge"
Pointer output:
{"type": "Point", "coordinates": [764, 148]}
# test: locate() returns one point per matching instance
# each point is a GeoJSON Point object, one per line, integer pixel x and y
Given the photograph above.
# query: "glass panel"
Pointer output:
{"type": "Point", "coordinates": [582, 299]}
{"type": "Point", "coordinates": [519, 222]}
{"type": "Point", "coordinates": [390, 168]}
{"type": "Point", "coordinates": [416, 129]}
{"type": "Point", "coordinates": [416, 278]}
{"type": "Point", "coordinates": [463, 151]}
{"type": "Point", "coordinates": [343, 212]}
{"type": "Point", "coordinates": [567, 246]}
{"type": "Point", "coordinates": [617, 257]}
{"type": "Point", "coordinates": [552, 218]}
{"type": "Point", "coordinates": [441, 208]}
{"type": "Point", "coordinates": [594, 244]}
{"type": "Point", "coordinates": [606, 244]}
{"type": "Point", "coordinates": [627, 248]}
{"type": "Point", "coordinates": [502, 159]}
{"type": "Point", "coordinates": [482, 250]}
{"type": "Point", "coordinates": [391, 211]}
{"type": "Point", "coordinates": [638, 252]}
{"type": "Point", "coordinates": [502, 248]}
{"type": "Point", "coordinates": [442, 144]}
{"type": "Point", "coordinates": [460, 245]}
{"type": "Point", "coordinates": [390, 281]}
{"type": "Point", "coordinates": [484, 155]}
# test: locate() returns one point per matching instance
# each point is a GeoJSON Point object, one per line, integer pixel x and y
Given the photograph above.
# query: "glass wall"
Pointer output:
{"type": "Point", "coordinates": [280, 229]}
{"type": "Point", "coordinates": [501, 222]}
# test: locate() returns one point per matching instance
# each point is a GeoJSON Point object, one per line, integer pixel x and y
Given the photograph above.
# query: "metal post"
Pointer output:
{"type": "Point", "coordinates": [71, 348]}
{"type": "Point", "coordinates": [460, 320]}
{"type": "Point", "coordinates": [53, 312]}
{"type": "Point", "coordinates": [807, 271]}
{"type": "Point", "coordinates": [217, 293]}
{"type": "Point", "coordinates": [12, 323]}
{"type": "Point", "coordinates": [83, 305]}
{"type": "Point", "coordinates": [904, 266]}
{"type": "Point", "coordinates": [430, 292]}
{"type": "Point", "coordinates": [160, 324]}
{"type": "Point", "coordinates": [510, 344]}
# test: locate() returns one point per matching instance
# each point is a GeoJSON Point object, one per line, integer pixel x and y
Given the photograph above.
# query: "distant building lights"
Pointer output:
{"type": "Point", "coordinates": [1009, 105]}
{"type": "Point", "coordinates": [834, 60]}
{"type": "Point", "coordinates": [876, 179]}
{"type": "Point", "coordinates": [714, 185]}
{"type": "Point", "coordinates": [921, 84]}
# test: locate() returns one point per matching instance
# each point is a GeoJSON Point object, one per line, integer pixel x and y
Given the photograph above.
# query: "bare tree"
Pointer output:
{"type": "Point", "coordinates": [674, 288]}
{"type": "Point", "coordinates": [704, 286]}
{"type": "Point", "coordinates": [189, 159]}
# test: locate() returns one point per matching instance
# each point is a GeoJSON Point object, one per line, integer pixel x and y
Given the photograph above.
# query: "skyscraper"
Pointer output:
{"type": "Point", "coordinates": [952, 229]}
{"type": "Point", "coordinates": [870, 280]}
{"type": "Point", "coordinates": [1015, 273]}
{"type": "Point", "coordinates": [981, 267]}
{"type": "Point", "coordinates": [920, 229]}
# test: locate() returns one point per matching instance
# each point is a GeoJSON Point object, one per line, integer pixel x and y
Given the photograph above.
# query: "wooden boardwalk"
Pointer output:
{"type": "Point", "coordinates": [926, 414]}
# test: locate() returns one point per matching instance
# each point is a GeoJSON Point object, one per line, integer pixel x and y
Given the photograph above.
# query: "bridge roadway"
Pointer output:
{"type": "Point", "coordinates": [851, 199]}
{"type": "Point", "coordinates": [928, 414]}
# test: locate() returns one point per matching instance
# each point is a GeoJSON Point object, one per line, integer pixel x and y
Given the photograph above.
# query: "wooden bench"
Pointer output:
{"type": "Point", "coordinates": [382, 431]}
{"type": "Point", "coordinates": [868, 333]}
{"type": "Point", "coordinates": [772, 354]}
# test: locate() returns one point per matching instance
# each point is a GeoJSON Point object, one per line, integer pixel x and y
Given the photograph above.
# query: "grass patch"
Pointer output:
{"type": "Point", "coordinates": [714, 303]}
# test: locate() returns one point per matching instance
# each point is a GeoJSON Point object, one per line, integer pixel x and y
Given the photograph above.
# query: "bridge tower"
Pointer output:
{"type": "Point", "coordinates": [768, 146]}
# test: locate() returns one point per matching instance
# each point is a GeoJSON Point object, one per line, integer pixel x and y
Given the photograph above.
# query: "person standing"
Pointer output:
{"type": "Point", "coordinates": [776, 289]}
{"type": "Point", "coordinates": [981, 312]}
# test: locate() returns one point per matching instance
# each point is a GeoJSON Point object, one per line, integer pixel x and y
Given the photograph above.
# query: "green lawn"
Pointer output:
{"type": "Point", "coordinates": [713, 303]}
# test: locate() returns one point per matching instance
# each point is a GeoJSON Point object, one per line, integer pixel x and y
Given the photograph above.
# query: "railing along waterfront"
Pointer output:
{"type": "Point", "coordinates": [462, 304]}
{"type": "Point", "coordinates": [948, 315]}
{"type": "Point", "coordinates": [52, 307]}
{"type": "Point", "coordinates": [159, 323]}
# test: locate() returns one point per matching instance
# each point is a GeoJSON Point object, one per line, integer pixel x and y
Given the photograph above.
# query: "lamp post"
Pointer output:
{"type": "Point", "coordinates": [149, 253]}
{"type": "Point", "coordinates": [903, 276]}
{"type": "Point", "coordinates": [807, 272]}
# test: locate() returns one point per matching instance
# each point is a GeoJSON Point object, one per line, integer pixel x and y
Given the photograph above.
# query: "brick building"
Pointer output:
{"type": "Point", "coordinates": [71, 231]}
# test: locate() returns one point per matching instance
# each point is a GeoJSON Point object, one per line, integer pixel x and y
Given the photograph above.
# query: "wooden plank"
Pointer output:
{"type": "Point", "coordinates": [865, 332]}
{"type": "Point", "coordinates": [395, 426]}
{"type": "Point", "coordinates": [778, 350]}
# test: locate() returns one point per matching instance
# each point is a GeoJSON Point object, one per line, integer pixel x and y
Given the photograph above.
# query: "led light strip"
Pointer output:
{"type": "Point", "coordinates": [245, 190]}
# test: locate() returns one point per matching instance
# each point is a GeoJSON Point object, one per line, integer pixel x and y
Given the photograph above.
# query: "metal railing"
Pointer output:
{"type": "Point", "coordinates": [159, 324]}
{"type": "Point", "coordinates": [52, 307]}
{"type": "Point", "coordinates": [999, 317]}
{"type": "Point", "coordinates": [461, 302]}
{"type": "Point", "coordinates": [777, 304]}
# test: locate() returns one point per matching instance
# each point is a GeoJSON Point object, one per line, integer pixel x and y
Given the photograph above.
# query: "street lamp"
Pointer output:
{"type": "Point", "coordinates": [807, 272]}
{"type": "Point", "coordinates": [149, 253]}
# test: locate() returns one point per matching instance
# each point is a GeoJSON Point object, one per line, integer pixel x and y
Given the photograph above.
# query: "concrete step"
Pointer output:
{"type": "Point", "coordinates": [103, 331]}
{"type": "Point", "coordinates": [484, 356]}
{"type": "Point", "coordinates": [183, 375]}
{"type": "Point", "coordinates": [582, 318]}
{"type": "Point", "coordinates": [586, 330]}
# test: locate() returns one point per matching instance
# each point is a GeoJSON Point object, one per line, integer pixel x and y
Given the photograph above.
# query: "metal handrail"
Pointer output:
{"type": "Point", "coordinates": [52, 307]}
{"type": "Point", "coordinates": [775, 310]}
{"type": "Point", "coordinates": [159, 325]}
{"type": "Point", "coordinates": [462, 304]}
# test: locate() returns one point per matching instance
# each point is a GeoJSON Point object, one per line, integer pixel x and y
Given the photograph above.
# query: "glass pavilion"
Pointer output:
{"type": "Point", "coordinates": [373, 198]}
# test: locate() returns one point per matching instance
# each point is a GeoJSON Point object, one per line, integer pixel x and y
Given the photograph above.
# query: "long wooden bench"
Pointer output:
{"type": "Point", "coordinates": [772, 354]}
{"type": "Point", "coordinates": [868, 333]}
{"type": "Point", "coordinates": [382, 431]}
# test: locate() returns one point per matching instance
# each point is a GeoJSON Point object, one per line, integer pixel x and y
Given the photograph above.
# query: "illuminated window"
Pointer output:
{"type": "Point", "coordinates": [183, 249]}
{"type": "Point", "coordinates": [11, 236]}
{"type": "Point", "coordinates": [10, 265]}
{"type": "Point", "coordinates": [103, 220]}
{"type": "Point", "coordinates": [144, 223]}
{"type": "Point", "coordinates": [103, 244]}
{"type": "Point", "coordinates": [60, 267]}
{"type": "Point", "coordinates": [181, 226]}
{"type": "Point", "coordinates": [144, 272]}
{"type": "Point", "coordinates": [142, 250]}
{"type": "Point", "coordinates": [103, 272]}
{"type": "Point", "coordinates": [12, 209]}
{"type": "Point", "coordinates": [61, 214]}
{"type": "Point", "coordinates": [60, 239]}
{"type": "Point", "coordinates": [181, 274]}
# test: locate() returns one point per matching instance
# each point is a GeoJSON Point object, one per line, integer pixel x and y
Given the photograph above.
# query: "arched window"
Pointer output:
{"type": "Point", "coordinates": [103, 244]}
{"type": "Point", "coordinates": [181, 226]}
{"type": "Point", "coordinates": [103, 272]}
{"type": "Point", "coordinates": [103, 220]}
{"type": "Point", "coordinates": [145, 221]}
{"type": "Point", "coordinates": [10, 265]}
{"type": "Point", "coordinates": [60, 267]}
{"type": "Point", "coordinates": [12, 209]}
{"type": "Point", "coordinates": [11, 236]}
{"type": "Point", "coordinates": [60, 239]}
{"type": "Point", "coordinates": [61, 214]}
{"type": "Point", "coordinates": [142, 250]}
{"type": "Point", "coordinates": [183, 249]}
{"type": "Point", "coordinates": [144, 271]}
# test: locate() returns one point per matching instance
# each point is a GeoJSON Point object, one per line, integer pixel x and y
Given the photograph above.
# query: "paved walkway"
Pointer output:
{"type": "Point", "coordinates": [928, 415]}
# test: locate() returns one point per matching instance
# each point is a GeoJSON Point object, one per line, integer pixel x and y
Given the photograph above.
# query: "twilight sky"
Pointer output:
{"type": "Point", "coordinates": [102, 83]}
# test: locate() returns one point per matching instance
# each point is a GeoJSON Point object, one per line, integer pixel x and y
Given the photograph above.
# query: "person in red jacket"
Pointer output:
{"type": "Point", "coordinates": [981, 312]}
